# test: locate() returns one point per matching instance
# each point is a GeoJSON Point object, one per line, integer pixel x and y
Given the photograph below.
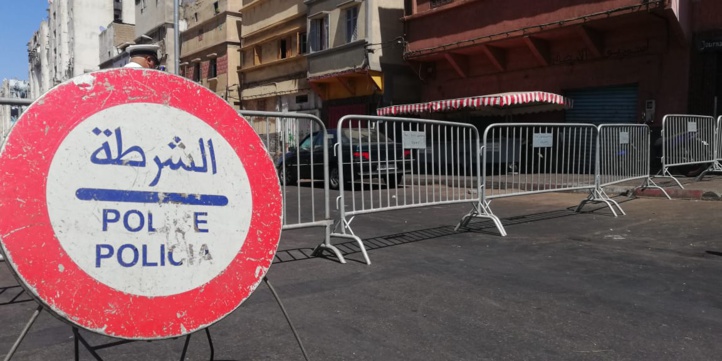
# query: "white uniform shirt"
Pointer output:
{"type": "Point", "coordinates": [132, 65]}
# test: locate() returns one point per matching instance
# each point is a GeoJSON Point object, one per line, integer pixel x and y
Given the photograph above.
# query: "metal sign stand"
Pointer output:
{"type": "Point", "coordinates": [78, 338]}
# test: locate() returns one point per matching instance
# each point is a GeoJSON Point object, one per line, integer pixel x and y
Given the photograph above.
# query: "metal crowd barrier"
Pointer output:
{"type": "Point", "coordinates": [717, 166]}
{"type": "Point", "coordinates": [298, 144]}
{"type": "Point", "coordinates": [687, 140]}
{"type": "Point", "coordinates": [390, 163]}
{"type": "Point", "coordinates": [623, 155]}
{"type": "Point", "coordinates": [532, 158]}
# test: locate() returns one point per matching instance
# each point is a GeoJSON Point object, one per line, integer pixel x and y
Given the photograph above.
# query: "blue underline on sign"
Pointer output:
{"type": "Point", "coordinates": [116, 195]}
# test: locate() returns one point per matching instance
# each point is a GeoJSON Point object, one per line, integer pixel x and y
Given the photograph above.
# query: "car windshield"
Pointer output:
{"type": "Point", "coordinates": [361, 136]}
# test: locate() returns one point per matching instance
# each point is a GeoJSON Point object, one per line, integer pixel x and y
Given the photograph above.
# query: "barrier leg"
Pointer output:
{"type": "Point", "coordinates": [481, 210]}
{"type": "Point", "coordinates": [346, 226]}
{"type": "Point", "coordinates": [288, 319]}
{"type": "Point", "coordinates": [649, 183]}
{"type": "Point", "coordinates": [664, 173]}
{"type": "Point", "coordinates": [23, 333]}
{"type": "Point", "coordinates": [716, 167]}
{"type": "Point", "coordinates": [327, 246]}
{"type": "Point", "coordinates": [597, 195]}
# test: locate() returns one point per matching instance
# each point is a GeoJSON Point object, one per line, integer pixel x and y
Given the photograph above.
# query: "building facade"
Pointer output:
{"type": "Point", "coordinates": [210, 46]}
{"type": "Point", "coordinates": [117, 35]}
{"type": "Point", "coordinates": [274, 67]}
{"type": "Point", "coordinates": [74, 27]}
{"type": "Point", "coordinates": [39, 77]}
{"type": "Point", "coordinates": [355, 59]}
{"type": "Point", "coordinates": [9, 114]}
{"type": "Point", "coordinates": [619, 60]}
{"type": "Point", "coordinates": [705, 38]}
{"type": "Point", "coordinates": [154, 24]}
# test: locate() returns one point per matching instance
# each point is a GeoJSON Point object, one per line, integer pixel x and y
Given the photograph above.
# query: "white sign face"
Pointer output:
{"type": "Point", "coordinates": [413, 139]}
{"type": "Point", "coordinates": [623, 137]}
{"type": "Point", "coordinates": [692, 127]}
{"type": "Point", "coordinates": [543, 140]}
{"type": "Point", "coordinates": [160, 206]}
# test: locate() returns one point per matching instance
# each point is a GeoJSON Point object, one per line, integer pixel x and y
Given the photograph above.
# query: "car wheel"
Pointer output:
{"type": "Point", "coordinates": [333, 178]}
{"type": "Point", "coordinates": [286, 176]}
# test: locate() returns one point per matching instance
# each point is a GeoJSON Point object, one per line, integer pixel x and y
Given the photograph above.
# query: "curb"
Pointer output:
{"type": "Point", "coordinates": [678, 193]}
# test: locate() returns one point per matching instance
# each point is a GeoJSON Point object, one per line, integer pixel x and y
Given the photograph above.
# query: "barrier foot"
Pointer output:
{"type": "Point", "coordinates": [649, 183]}
{"type": "Point", "coordinates": [288, 319]}
{"type": "Point", "coordinates": [360, 244]}
{"type": "Point", "coordinates": [666, 174]}
{"type": "Point", "coordinates": [481, 210]}
{"type": "Point", "coordinates": [23, 333]}
{"type": "Point", "coordinates": [716, 167]}
{"type": "Point", "coordinates": [599, 196]}
{"type": "Point", "coordinates": [318, 251]}
{"type": "Point", "coordinates": [327, 246]}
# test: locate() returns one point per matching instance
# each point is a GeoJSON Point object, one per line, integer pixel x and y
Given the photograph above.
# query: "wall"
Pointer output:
{"type": "Point", "coordinates": [111, 38]}
{"type": "Point", "coordinates": [471, 19]}
{"type": "Point", "coordinates": [38, 62]}
{"type": "Point", "coordinates": [87, 17]}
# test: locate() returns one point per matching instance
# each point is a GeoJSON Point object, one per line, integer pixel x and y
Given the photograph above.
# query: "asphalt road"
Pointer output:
{"type": "Point", "coordinates": [561, 286]}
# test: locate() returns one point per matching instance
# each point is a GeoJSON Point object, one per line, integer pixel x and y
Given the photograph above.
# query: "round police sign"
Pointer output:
{"type": "Point", "coordinates": [137, 204]}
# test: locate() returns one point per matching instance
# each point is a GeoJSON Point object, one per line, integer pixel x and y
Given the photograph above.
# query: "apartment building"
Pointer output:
{"type": "Point", "coordinates": [154, 24]}
{"type": "Point", "coordinates": [619, 60]}
{"type": "Point", "coordinates": [274, 68]}
{"type": "Point", "coordinates": [117, 35]}
{"type": "Point", "coordinates": [210, 46]}
{"type": "Point", "coordinates": [71, 41]}
{"type": "Point", "coordinates": [9, 114]}
{"type": "Point", "coordinates": [39, 77]}
{"type": "Point", "coordinates": [355, 61]}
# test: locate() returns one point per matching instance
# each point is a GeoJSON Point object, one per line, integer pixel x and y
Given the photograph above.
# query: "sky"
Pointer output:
{"type": "Point", "coordinates": [18, 23]}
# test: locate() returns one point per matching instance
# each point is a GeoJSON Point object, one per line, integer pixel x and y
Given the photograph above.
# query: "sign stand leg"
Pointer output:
{"type": "Point", "coordinates": [78, 337]}
{"type": "Point", "coordinates": [285, 314]}
{"type": "Point", "coordinates": [23, 333]}
{"type": "Point", "coordinates": [210, 344]}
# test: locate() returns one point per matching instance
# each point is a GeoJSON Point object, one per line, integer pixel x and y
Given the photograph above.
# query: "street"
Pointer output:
{"type": "Point", "coordinates": [561, 286]}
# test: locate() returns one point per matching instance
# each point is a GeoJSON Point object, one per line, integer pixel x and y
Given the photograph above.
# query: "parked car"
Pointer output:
{"type": "Point", "coordinates": [366, 153]}
{"type": "Point", "coordinates": [454, 158]}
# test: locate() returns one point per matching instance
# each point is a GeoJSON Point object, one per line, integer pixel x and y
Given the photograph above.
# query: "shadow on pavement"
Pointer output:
{"type": "Point", "coordinates": [477, 226]}
{"type": "Point", "coordinates": [7, 291]}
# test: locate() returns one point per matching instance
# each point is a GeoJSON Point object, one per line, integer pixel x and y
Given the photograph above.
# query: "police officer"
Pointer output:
{"type": "Point", "coordinates": [143, 56]}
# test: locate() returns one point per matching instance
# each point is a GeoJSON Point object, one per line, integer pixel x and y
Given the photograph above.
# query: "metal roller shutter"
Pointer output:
{"type": "Point", "coordinates": [617, 104]}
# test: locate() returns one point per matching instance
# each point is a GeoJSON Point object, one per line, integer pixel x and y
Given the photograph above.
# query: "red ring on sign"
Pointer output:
{"type": "Point", "coordinates": [35, 254]}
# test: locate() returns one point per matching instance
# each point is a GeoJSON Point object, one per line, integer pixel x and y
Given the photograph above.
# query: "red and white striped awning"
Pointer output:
{"type": "Point", "coordinates": [493, 104]}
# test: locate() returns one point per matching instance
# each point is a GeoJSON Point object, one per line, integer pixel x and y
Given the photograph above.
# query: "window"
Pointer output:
{"type": "Point", "coordinates": [302, 43]}
{"type": "Point", "coordinates": [212, 68]}
{"type": "Point", "coordinates": [319, 34]}
{"type": "Point", "coordinates": [351, 24]}
{"type": "Point", "coordinates": [435, 3]}
{"type": "Point", "coordinates": [200, 35]}
{"type": "Point", "coordinates": [257, 51]}
{"type": "Point", "coordinates": [282, 49]}
{"type": "Point", "coordinates": [195, 17]}
{"type": "Point", "coordinates": [300, 99]}
{"type": "Point", "coordinates": [197, 72]}
{"type": "Point", "coordinates": [215, 8]}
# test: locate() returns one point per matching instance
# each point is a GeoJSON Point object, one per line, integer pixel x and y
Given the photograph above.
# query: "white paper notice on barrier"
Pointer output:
{"type": "Point", "coordinates": [623, 137]}
{"type": "Point", "coordinates": [692, 127]}
{"type": "Point", "coordinates": [413, 139]}
{"type": "Point", "coordinates": [543, 140]}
